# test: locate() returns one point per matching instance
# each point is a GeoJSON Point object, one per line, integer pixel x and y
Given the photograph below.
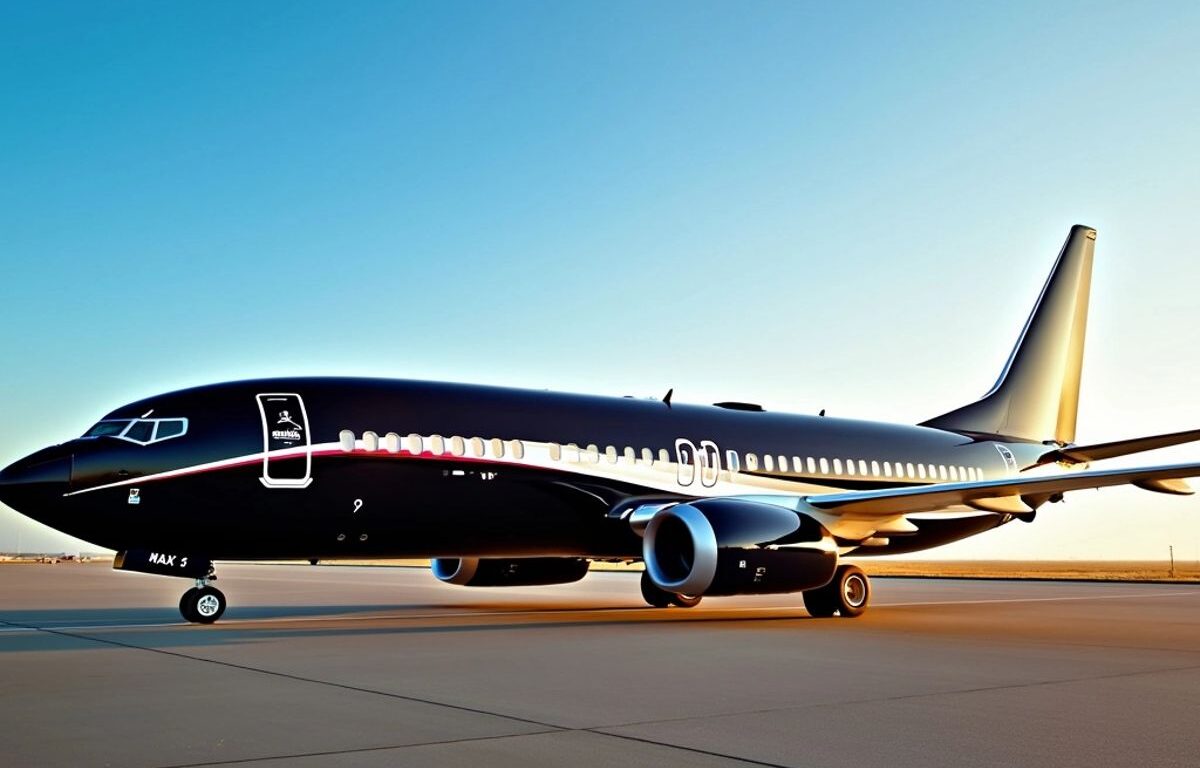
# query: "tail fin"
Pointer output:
{"type": "Point", "coordinates": [1037, 394]}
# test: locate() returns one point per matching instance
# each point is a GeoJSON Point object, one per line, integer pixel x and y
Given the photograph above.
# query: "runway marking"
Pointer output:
{"type": "Point", "coordinates": [639, 610]}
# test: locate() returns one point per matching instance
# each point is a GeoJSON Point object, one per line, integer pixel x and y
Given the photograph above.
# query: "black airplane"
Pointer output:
{"type": "Point", "coordinates": [508, 487]}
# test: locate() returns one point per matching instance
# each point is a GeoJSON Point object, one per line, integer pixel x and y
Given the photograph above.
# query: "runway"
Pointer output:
{"type": "Point", "coordinates": [368, 666]}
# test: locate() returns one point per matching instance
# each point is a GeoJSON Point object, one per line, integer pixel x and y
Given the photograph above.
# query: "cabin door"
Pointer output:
{"type": "Point", "coordinates": [287, 449]}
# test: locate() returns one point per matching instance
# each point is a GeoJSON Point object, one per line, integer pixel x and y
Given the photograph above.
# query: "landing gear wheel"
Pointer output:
{"type": "Point", "coordinates": [187, 605]}
{"type": "Point", "coordinates": [855, 591]}
{"type": "Point", "coordinates": [685, 601]}
{"type": "Point", "coordinates": [846, 594]}
{"type": "Point", "coordinates": [818, 603]}
{"type": "Point", "coordinates": [654, 597]}
{"type": "Point", "coordinates": [202, 605]}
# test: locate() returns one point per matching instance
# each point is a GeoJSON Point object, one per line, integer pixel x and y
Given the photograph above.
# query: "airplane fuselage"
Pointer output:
{"type": "Point", "coordinates": [361, 468]}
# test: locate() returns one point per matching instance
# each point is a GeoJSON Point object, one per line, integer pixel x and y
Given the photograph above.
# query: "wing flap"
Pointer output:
{"type": "Point", "coordinates": [983, 494]}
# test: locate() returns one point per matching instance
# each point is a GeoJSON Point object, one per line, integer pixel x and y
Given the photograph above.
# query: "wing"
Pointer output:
{"type": "Point", "coordinates": [1014, 494]}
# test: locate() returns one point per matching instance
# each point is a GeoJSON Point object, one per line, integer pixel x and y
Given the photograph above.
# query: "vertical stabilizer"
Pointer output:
{"type": "Point", "coordinates": [1037, 394]}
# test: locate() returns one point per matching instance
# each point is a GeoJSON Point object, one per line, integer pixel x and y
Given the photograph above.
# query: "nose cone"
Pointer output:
{"type": "Point", "coordinates": [35, 485]}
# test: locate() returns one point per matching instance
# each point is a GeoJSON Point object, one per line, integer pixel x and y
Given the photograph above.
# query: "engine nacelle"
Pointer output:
{"type": "Point", "coordinates": [512, 572]}
{"type": "Point", "coordinates": [735, 547]}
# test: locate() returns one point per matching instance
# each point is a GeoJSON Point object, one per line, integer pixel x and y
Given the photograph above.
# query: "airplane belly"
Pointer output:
{"type": "Point", "coordinates": [358, 508]}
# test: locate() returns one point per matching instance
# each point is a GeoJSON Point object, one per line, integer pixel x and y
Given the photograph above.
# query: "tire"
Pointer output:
{"type": "Point", "coordinates": [654, 597]}
{"type": "Point", "coordinates": [187, 605]}
{"type": "Point", "coordinates": [847, 594]}
{"type": "Point", "coordinates": [686, 601]}
{"type": "Point", "coordinates": [818, 603]}
{"type": "Point", "coordinates": [853, 591]}
{"type": "Point", "coordinates": [208, 605]}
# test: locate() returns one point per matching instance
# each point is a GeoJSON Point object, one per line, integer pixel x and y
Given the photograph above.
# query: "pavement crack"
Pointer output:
{"type": "Point", "coordinates": [882, 699]}
{"type": "Point", "coordinates": [289, 676]}
{"type": "Point", "coordinates": [355, 750]}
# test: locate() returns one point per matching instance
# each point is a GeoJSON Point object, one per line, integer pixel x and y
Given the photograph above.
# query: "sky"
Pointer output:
{"type": "Point", "coordinates": [807, 205]}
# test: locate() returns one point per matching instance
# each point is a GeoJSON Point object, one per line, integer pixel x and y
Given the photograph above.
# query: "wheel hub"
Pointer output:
{"type": "Point", "coordinates": [854, 591]}
{"type": "Point", "coordinates": [208, 605]}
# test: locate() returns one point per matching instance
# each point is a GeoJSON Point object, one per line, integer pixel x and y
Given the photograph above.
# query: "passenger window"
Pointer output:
{"type": "Point", "coordinates": [663, 456]}
{"type": "Point", "coordinates": [477, 447]}
{"type": "Point", "coordinates": [437, 444]}
{"type": "Point", "coordinates": [954, 473]}
{"type": "Point", "coordinates": [517, 448]}
{"type": "Point", "coordinates": [921, 471]}
{"type": "Point", "coordinates": [812, 465]}
{"type": "Point", "coordinates": [862, 467]}
{"type": "Point", "coordinates": [850, 467]}
{"type": "Point", "coordinates": [497, 446]}
{"type": "Point", "coordinates": [346, 440]}
{"type": "Point", "coordinates": [824, 466]}
{"type": "Point", "coordinates": [647, 456]}
{"type": "Point", "coordinates": [887, 469]}
{"type": "Point", "coordinates": [751, 462]}
{"type": "Point", "coordinates": [630, 456]}
{"type": "Point", "coordinates": [797, 465]}
{"type": "Point", "coordinates": [572, 452]}
{"type": "Point", "coordinates": [942, 471]}
{"type": "Point", "coordinates": [837, 466]}
{"type": "Point", "coordinates": [391, 442]}
{"type": "Point", "coordinates": [458, 446]}
{"type": "Point", "coordinates": [783, 464]}
{"type": "Point", "coordinates": [415, 444]}
{"type": "Point", "coordinates": [912, 471]}
{"type": "Point", "coordinates": [769, 463]}
{"type": "Point", "coordinates": [593, 453]}
{"type": "Point", "coordinates": [555, 452]}
{"type": "Point", "coordinates": [140, 431]}
{"type": "Point", "coordinates": [610, 453]}
{"type": "Point", "coordinates": [731, 461]}
{"type": "Point", "coordinates": [370, 441]}
{"type": "Point", "coordinates": [875, 468]}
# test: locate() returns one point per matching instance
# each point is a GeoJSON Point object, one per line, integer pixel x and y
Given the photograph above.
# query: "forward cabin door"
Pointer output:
{"type": "Point", "coordinates": [287, 448]}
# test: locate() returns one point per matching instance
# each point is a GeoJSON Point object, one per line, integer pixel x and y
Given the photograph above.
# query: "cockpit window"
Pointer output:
{"type": "Point", "coordinates": [169, 428]}
{"type": "Point", "coordinates": [140, 431]}
{"type": "Point", "coordinates": [104, 428]}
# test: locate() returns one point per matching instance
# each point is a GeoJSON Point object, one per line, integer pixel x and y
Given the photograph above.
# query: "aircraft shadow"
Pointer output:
{"type": "Point", "coordinates": [161, 628]}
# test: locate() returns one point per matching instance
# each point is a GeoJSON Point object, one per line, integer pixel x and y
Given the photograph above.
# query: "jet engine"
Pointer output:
{"type": "Point", "coordinates": [512, 572]}
{"type": "Point", "coordinates": [734, 547]}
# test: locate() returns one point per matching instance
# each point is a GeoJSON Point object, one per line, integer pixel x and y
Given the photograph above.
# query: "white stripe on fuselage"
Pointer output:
{"type": "Point", "coordinates": [655, 475]}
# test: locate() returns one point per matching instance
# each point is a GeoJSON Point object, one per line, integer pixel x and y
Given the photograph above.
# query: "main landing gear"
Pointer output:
{"type": "Point", "coordinates": [660, 598]}
{"type": "Point", "coordinates": [847, 594]}
{"type": "Point", "coordinates": [203, 603]}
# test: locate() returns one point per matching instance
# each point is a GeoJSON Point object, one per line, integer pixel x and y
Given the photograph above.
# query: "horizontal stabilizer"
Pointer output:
{"type": "Point", "coordinates": [1077, 454]}
{"type": "Point", "coordinates": [889, 502]}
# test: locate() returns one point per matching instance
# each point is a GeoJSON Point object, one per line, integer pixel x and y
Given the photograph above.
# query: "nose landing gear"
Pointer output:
{"type": "Point", "coordinates": [202, 604]}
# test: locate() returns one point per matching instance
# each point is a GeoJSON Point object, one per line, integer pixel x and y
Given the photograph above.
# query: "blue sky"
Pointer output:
{"type": "Point", "coordinates": [799, 204]}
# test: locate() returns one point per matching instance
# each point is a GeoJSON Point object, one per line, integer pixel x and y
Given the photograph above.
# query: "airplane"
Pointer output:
{"type": "Point", "coordinates": [510, 487]}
